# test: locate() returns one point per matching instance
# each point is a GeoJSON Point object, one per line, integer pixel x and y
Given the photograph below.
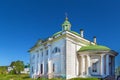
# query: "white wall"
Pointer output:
{"type": "Point", "coordinates": [72, 64]}
{"type": "Point", "coordinates": [57, 58]}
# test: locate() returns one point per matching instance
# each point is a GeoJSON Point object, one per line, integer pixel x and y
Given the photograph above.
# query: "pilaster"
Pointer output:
{"type": "Point", "coordinates": [49, 62]}
{"type": "Point", "coordinates": [102, 64]}
{"type": "Point", "coordinates": [43, 71]}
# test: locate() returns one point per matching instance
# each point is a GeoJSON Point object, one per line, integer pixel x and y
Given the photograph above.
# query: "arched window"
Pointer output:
{"type": "Point", "coordinates": [56, 50]}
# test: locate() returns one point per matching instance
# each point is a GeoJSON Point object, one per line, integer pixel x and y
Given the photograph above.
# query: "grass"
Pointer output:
{"type": "Point", "coordinates": [84, 79]}
{"type": "Point", "coordinates": [14, 77]}
{"type": "Point", "coordinates": [26, 77]}
{"type": "Point", "coordinates": [21, 77]}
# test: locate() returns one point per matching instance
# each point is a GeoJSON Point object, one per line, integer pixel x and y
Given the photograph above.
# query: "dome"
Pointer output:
{"type": "Point", "coordinates": [94, 47]}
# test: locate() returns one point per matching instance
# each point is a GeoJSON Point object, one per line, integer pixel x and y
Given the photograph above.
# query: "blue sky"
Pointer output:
{"type": "Point", "coordinates": [23, 22]}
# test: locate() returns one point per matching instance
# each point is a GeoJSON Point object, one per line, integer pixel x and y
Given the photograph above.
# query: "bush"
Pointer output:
{"type": "Point", "coordinates": [3, 70]}
{"type": "Point", "coordinates": [12, 72]}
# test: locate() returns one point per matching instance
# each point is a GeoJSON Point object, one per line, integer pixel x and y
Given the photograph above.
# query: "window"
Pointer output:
{"type": "Point", "coordinates": [47, 67]}
{"type": "Point", "coordinates": [56, 50]}
{"type": "Point", "coordinates": [46, 52]}
{"type": "Point", "coordinates": [53, 67]}
{"type": "Point", "coordinates": [41, 68]}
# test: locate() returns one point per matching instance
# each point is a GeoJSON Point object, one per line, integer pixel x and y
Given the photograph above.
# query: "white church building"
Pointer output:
{"type": "Point", "coordinates": [68, 54]}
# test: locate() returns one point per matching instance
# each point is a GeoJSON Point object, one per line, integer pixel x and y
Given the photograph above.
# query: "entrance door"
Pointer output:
{"type": "Point", "coordinates": [95, 67]}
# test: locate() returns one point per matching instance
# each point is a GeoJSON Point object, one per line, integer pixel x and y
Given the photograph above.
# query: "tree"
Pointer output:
{"type": "Point", "coordinates": [18, 66]}
{"type": "Point", "coordinates": [27, 65]}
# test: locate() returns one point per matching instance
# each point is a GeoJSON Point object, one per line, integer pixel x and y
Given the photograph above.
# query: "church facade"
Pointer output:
{"type": "Point", "coordinates": [68, 54]}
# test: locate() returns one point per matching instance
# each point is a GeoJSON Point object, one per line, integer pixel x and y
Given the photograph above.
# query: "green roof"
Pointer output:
{"type": "Point", "coordinates": [69, 31]}
{"type": "Point", "coordinates": [57, 33]}
{"type": "Point", "coordinates": [94, 47]}
{"type": "Point", "coordinates": [66, 22]}
{"type": "Point", "coordinates": [75, 33]}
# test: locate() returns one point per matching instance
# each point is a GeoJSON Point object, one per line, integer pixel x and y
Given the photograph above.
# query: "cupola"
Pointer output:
{"type": "Point", "coordinates": [66, 26]}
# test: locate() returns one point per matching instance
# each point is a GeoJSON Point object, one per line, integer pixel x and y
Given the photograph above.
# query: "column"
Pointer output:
{"type": "Point", "coordinates": [79, 60]}
{"type": "Point", "coordinates": [42, 62]}
{"type": "Point", "coordinates": [43, 70]}
{"type": "Point", "coordinates": [107, 64]}
{"type": "Point", "coordinates": [35, 67]}
{"type": "Point", "coordinates": [82, 65]}
{"type": "Point", "coordinates": [49, 51]}
{"type": "Point", "coordinates": [77, 66]}
{"type": "Point", "coordinates": [88, 65]}
{"type": "Point", "coordinates": [49, 69]}
{"type": "Point", "coordinates": [38, 62]}
{"type": "Point", "coordinates": [102, 64]}
{"type": "Point", "coordinates": [38, 72]}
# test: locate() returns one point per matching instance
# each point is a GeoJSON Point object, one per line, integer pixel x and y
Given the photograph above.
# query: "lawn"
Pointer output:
{"type": "Point", "coordinates": [15, 77]}
{"type": "Point", "coordinates": [26, 77]}
{"type": "Point", "coordinates": [21, 77]}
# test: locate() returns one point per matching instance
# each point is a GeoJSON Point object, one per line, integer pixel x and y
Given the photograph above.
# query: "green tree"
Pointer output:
{"type": "Point", "coordinates": [27, 65]}
{"type": "Point", "coordinates": [18, 66]}
{"type": "Point", "coordinates": [12, 64]}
